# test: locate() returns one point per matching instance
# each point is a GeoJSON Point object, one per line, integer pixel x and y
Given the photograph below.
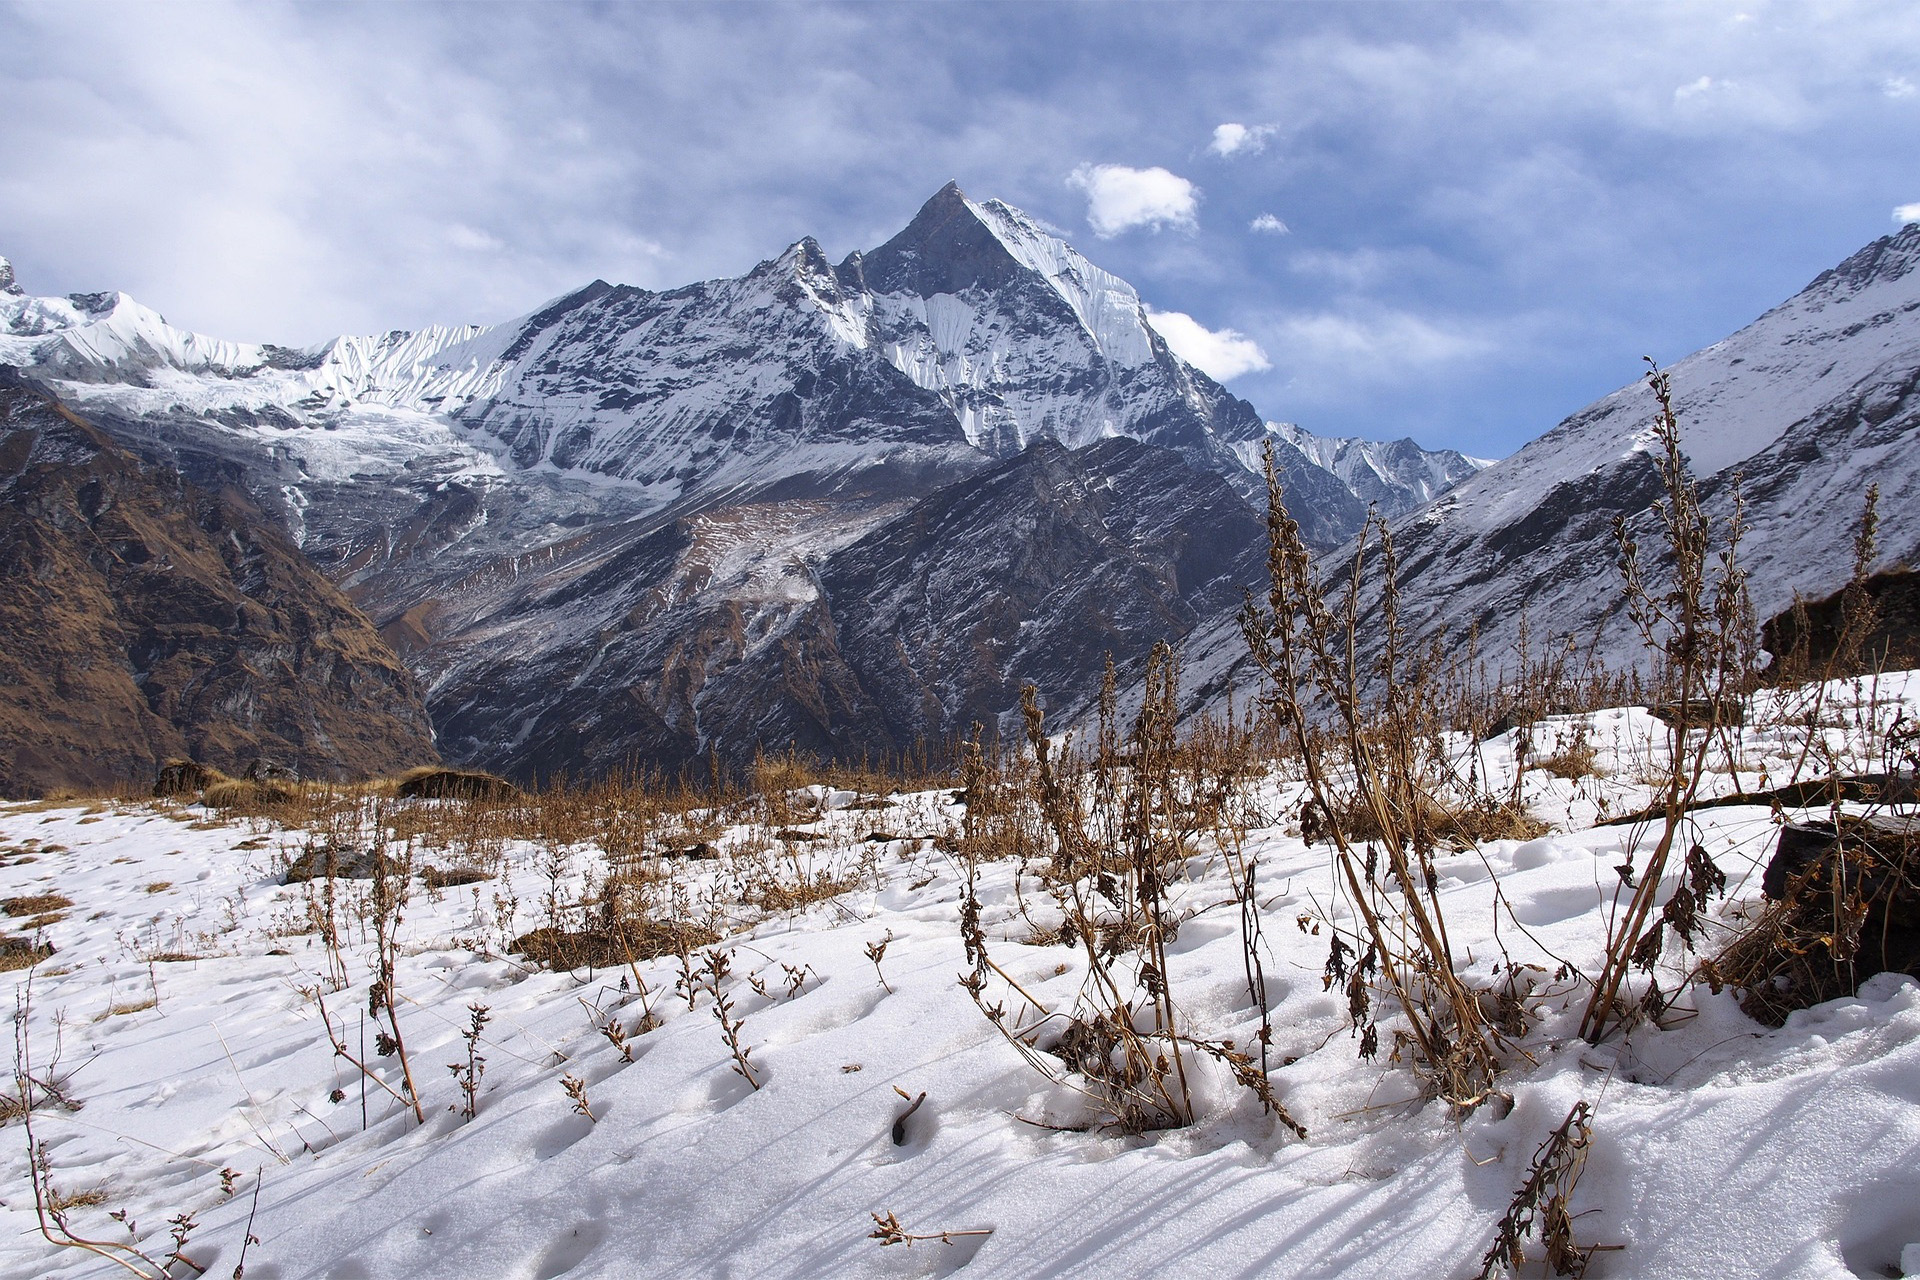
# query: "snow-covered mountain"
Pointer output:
{"type": "Point", "coordinates": [638, 493]}
{"type": "Point", "coordinates": [1803, 408]}
{"type": "Point", "coordinates": [1394, 475]}
{"type": "Point", "coordinates": [963, 339]}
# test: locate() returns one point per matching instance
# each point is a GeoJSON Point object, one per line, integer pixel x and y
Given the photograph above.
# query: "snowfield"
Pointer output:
{"type": "Point", "coordinates": [178, 1011]}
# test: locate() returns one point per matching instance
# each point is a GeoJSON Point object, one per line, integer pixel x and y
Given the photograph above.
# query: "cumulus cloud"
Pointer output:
{"type": "Point", "coordinates": [1120, 198]}
{"type": "Point", "coordinates": [1267, 224]}
{"type": "Point", "coordinates": [1905, 213]}
{"type": "Point", "coordinates": [1898, 87]}
{"type": "Point", "coordinates": [1221, 354]}
{"type": "Point", "coordinates": [1234, 139]}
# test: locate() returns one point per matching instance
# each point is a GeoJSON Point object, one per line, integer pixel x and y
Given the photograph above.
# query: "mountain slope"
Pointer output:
{"type": "Point", "coordinates": [1802, 409]}
{"type": "Point", "coordinates": [145, 619]}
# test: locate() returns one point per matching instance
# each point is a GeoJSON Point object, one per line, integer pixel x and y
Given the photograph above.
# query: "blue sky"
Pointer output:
{"type": "Point", "coordinates": [1472, 219]}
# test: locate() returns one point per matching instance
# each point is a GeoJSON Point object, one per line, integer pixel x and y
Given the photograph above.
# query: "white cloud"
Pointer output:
{"type": "Point", "coordinates": [1705, 84]}
{"type": "Point", "coordinates": [1221, 354]}
{"type": "Point", "coordinates": [1232, 139]}
{"type": "Point", "coordinates": [1377, 345]}
{"type": "Point", "coordinates": [1905, 213]}
{"type": "Point", "coordinates": [472, 239]}
{"type": "Point", "coordinates": [1119, 198]}
{"type": "Point", "coordinates": [1267, 224]}
{"type": "Point", "coordinates": [1898, 87]}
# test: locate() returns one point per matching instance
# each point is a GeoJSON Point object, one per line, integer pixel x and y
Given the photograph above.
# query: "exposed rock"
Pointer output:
{"type": "Point", "coordinates": [1805, 640]}
{"type": "Point", "coordinates": [1035, 572]}
{"type": "Point", "coordinates": [146, 619]}
{"type": "Point", "coordinates": [454, 784]}
{"type": "Point", "coordinates": [179, 777]}
{"type": "Point", "coordinates": [322, 862]}
{"type": "Point", "coordinates": [1843, 905]}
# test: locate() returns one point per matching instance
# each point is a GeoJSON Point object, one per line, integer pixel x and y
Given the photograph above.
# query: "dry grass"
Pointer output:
{"type": "Point", "coordinates": [776, 895]}
{"type": "Point", "coordinates": [1460, 826]}
{"type": "Point", "coordinates": [452, 877]}
{"type": "Point", "coordinates": [62, 1201]}
{"type": "Point", "coordinates": [1572, 761]}
{"type": "Point", "coordinates": [611, 948]}
{"type": "Point", "coordinates": [242, 795]}
{"type": "Point", "coordinates": [21, 953]}
{"type": "Point", "coordinates": [35, 904]}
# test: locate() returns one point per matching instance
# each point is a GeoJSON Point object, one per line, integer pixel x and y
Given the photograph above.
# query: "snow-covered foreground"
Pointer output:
{"type": "Point", "coordinates": [1721, 1147]}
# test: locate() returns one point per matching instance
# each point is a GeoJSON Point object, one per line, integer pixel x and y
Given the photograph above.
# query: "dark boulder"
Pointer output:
{"type": "Point", "coordinates": [1843, 904]}
{"type": "Point", "coordinates": [180, 777]}
{"type": "Point", "coordinates": [455, 784]}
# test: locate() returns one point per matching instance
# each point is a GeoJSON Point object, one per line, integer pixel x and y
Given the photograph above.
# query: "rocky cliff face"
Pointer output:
{"type": "Point", "coordinates": [738, 627]}
{"type": "Point", "coordinates": [145, 618]}
{"type": "Point", "coordinates": [1035, 572]}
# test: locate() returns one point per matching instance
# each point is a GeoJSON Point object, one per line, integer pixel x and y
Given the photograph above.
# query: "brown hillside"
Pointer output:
{"type": "Point", "coordinates": [142, 618]}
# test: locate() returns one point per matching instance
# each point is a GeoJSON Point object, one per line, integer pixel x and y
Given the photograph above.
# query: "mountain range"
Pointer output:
{"type": "Point", "coordinates": [844, 506]}
{"type": "Point", "coordinates": [853, 506]}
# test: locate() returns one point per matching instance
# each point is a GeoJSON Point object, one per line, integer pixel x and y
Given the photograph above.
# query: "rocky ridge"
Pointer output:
{"type": "Point", "coordinates": [146, 618]}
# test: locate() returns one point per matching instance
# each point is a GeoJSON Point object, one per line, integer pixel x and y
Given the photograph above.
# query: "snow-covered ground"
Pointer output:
{"type": "Point", "coordinates": [1721, 1147]}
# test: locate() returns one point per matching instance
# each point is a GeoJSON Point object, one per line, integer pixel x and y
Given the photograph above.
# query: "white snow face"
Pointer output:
{"type": "Point", "coordinates": [970, 335]}
{"type": "Point", "coordinates": [190, 1012]}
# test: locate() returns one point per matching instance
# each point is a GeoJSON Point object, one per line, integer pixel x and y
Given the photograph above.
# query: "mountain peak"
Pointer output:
{"type": "Point", "coordinates": [1888, 258]}
{"type": "Point", "coordinates": [7, 284]}
{"type": "Point", "coordinates": [947, 248]}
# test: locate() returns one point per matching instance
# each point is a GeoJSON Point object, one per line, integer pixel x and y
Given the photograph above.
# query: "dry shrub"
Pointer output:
{"type": "Point", "coordinates": [608, 948]}
{"type": "Point", "coordinates": [1844, 904]}
{"type": "Point", "coordinates": [1116, 832]}
{"type": "Point", "coordinates": [1699, 631]}
{"type": "Point", "coordinates": [1540, 1206]}
{"type": "Point", "coordinates": [1369, 740]}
